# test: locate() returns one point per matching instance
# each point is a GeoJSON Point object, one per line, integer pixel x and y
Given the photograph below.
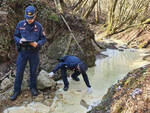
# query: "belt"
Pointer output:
{"type": "Point", "coordinates": [28, 48]}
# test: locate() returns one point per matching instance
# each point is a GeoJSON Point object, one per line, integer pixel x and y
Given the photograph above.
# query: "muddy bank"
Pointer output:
{"type": "Point", "coordinates": [135, 37]}
{"type": "Point", "coordinates": [59, 43]}
{"type": "Point", "coordinates": [129, 95]}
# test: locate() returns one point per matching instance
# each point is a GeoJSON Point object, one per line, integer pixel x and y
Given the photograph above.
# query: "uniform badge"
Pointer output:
{"type": "Point", "coordinates": [35, 28]}
{"type": "Point", "coordinates": [29, 13]}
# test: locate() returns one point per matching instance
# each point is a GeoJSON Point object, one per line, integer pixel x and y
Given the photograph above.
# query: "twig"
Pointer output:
{"type": "Point", "coordinates": [68, 29]}
{"type": "Point", "coordinates": [72, 33]}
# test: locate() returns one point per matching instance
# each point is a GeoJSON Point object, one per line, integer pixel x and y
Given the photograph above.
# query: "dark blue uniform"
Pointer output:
{"type": "Point", "coordinates": [35, 33]}
{"type": "Point", "coordinates": [71, 63]}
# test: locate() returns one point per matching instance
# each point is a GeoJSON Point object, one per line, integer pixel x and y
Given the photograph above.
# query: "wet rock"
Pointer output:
{"type": "Point", "coordinates": [101, 56]}
{"type": "Point", "coordinates": [123, 46]}
{"type": "Point", "coordinates": [44, 81]}
{"type": "Point", "coordinates": [84, 104]}
{"type": "Point", "coordinates": [78, 90]}
{"type": "Point", "coordinates": [60, 96]}
{"type": "Point", "coordinates": [39, 98]}
{"type": "Point", "coordinates": [30, 108]}
{"type": "Point", "coordinates": [52, 95]}
{"type": "Point", "coordinates": [110, 45]}
{"type": "Point", "coordinates": [48, 102]}
{"type": "Point", "coordinates": [147, 58]}
{"type": "Point", "coordinates": [120, 49]}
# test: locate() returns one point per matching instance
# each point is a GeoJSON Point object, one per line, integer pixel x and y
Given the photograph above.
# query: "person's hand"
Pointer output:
{"type": "Point", "coordinates": [21, 40]}
{"type": "Point", "coordinates": [89, 90]}
{"type": "Point", "coordinates": [34, 44]}
{"type": "Point", "coordinates": [51, 74]}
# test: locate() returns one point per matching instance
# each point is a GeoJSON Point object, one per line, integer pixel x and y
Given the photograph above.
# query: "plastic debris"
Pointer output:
{"type": "Point", "coordinates": [118, 88]}
{"type": "Point", "coordinates": [135, 92]}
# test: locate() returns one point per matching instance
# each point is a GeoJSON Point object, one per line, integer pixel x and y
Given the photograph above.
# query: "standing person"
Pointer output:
{"type": "Point", "coordinates": [75, 64]}
{"type": "Point", "coordinates": [29, 37]}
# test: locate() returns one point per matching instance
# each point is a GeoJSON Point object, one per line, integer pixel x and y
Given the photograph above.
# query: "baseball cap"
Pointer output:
{"type": "Point", "coordinates": [83, 67]}
{"type": "Point", "coordinates": [30, 12]}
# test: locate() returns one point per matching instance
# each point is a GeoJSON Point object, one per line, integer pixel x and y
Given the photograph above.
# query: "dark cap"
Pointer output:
{"type": "Point", "coordinates": [83, 67]}
{"type": "Point", "coordinates": [30, 12]}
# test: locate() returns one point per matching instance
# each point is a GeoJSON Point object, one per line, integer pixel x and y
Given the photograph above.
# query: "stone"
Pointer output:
{"type": "Point", "coordinates": [6, 83]}
{"type": "Point", "coordinates": [48, 102]}
{"type": "Point", "coordinates": [39, 98]}
{"type": "Point", "coordinates": [147, 58]}
{"type": "Point", "coordinates": [83, 103]}
{"type": "Point", "coordinates": [60, 96]}
{"type": "Point", "coordinates": [34, 107]}
{"type": "Point", "coordinates": [44, 81]}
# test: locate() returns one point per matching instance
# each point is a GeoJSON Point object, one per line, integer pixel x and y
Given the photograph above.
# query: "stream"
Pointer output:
{"type": "Point", "coordinates": [106, 73]}
{"type": "Point", "coordinates": [103, 75]}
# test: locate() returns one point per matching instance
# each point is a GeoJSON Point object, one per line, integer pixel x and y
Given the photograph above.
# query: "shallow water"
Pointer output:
{"type": "Point", "coordinates": [106, 72]}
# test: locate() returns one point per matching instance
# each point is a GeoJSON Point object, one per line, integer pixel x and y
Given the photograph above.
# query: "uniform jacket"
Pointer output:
{"type": "Point", "coordinates": [69, 62]}
{"type": "Point", "coordinates": [32, 32]}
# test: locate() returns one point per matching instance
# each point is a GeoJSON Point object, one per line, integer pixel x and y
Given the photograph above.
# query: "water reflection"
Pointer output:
{"type": "Point", "coordinates": [106, 72]}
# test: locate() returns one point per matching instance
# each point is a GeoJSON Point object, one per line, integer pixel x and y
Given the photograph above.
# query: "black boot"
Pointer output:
{"type": "Point", "coordinates": [76, 79]}
{"type": "Point", "coordinates": [14, 96]}
{"type": "Point", "coordinates": [34, 92]}
{"type": "Point", "coordinates": [66, 88]}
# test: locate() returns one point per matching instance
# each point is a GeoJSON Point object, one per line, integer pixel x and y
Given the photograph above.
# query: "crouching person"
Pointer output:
{"type": "Point", "coordinates": [75, 64]}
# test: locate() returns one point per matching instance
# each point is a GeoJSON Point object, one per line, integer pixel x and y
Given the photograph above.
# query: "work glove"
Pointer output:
{"type": "Point", "coordinates": [21, 40]}
{"type": "Point", "coordinates": [34, 44]}
{"type": "Point", "coordinates": [51, 74]}
{"type": "Point", "coordinates": [89, 90]}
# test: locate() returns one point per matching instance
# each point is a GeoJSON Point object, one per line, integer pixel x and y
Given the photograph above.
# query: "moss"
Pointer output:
{"type": "Point", "coordinates": [50, 14]}
{"type": "Point", "coordinates": [54, 17]}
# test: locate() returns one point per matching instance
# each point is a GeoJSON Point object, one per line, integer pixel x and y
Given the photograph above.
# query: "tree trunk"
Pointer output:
{"type": "Point", "coordinates": [76, 5]}
{"type": "Point", "coordinates": [111, 10]}
{"type": "Point", "coordinates": [62, 3]}
{"type": "Point", "coordinates": [87, 13]}
{"type": "Point", "coordinates": [97, 11]}
{"type": "Point", "coordinates": [79, 6]}
{"type": "Point", "coordinates": [58, 6]}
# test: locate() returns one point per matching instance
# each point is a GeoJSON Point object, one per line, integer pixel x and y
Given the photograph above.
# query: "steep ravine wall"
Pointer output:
{"type": "Point", "coordinates": [57, 34]}
{"type": "Point", "coordinates": [129, 95]}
